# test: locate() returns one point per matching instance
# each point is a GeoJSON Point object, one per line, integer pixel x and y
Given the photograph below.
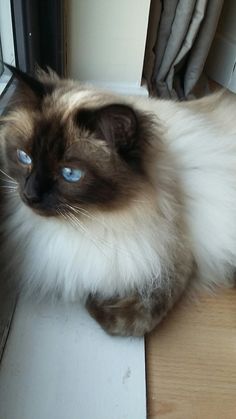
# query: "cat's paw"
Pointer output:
{"type": "Point", "coordinates": [124, 317]}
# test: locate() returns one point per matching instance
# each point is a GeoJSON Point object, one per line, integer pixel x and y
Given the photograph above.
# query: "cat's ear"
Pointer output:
{"type": "Point", "coordinates": [116, 124]}
{"type": "Point", "coordinates": [39, 88]}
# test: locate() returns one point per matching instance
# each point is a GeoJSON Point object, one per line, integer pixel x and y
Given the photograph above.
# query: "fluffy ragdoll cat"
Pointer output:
{"type": "Point", "coordinates": [117, 201]}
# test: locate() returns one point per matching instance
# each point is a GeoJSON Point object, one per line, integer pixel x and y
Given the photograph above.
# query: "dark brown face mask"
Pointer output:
{"type": "Point", "coordinates": [93, 156]}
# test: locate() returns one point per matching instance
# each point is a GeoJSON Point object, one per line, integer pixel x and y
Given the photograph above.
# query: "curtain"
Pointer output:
{"type": "Point", "coordinates": [185, 34]}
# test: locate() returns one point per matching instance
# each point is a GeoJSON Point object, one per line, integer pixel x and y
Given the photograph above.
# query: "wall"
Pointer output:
{"type": "Point", "coordinates": [106, 41]}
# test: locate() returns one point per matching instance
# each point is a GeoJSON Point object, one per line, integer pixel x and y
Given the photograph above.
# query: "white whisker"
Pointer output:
{"type": "Point", "coordinates": [101, 241]}
{"type": "Point", "coordinates": [77, 224]}
{"type": "Point", "coordinates": [85, 213]}
{"type": "Point", "coordinates": [4, 173]}
{"type": "Point", "coordinates": [8, 181]}
{"type": "Point", "coordinates": [9, 191]}
{"type": "Point", "coordinates": [8, 187]}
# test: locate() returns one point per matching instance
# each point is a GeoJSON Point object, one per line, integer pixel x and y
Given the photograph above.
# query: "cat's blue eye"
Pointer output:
{"type": "Point", "coordinates": [71, 175]}
{"type": "Point", "coordinates": [24, 158]}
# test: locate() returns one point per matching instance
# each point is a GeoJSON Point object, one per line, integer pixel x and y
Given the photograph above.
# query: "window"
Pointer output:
{"type": "Point", "coordinates": [31, 32]}
{"type": "Point", "coordinates": [7, 52]}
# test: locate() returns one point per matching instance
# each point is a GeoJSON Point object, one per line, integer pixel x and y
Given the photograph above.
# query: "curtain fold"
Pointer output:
{"type": "Point", "coordinates": [185, 34]}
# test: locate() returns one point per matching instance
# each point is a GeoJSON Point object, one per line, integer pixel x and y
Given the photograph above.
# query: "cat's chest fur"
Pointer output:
{"type": "Point", "coordinates": [103, 255]}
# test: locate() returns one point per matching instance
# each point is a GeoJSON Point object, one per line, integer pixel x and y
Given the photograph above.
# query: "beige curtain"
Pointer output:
{"type": "Point", "coordinates": [185, 34]}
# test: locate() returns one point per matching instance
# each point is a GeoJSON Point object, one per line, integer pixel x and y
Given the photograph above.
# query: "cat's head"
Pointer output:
{"type": "Point", "coordinates": [69, 146]}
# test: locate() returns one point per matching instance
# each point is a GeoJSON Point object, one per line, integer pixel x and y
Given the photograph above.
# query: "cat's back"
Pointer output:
{"type": "Point", "coordinates": [200, 136]}
{"type": "Point", "coordinates": [219, 108]}
{"type": "Point", "coordinates": [214, 111]}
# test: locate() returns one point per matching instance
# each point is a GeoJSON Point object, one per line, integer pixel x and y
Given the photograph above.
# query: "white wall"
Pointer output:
{"type": "Point", "coordinates": [106, 40]}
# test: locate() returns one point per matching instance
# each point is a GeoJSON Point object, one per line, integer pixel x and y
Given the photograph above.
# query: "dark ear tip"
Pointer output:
{"type": "Point", "coordinates": [14, 70]}
{"type": "Point", "coordinates": [9, 66]}
{"type": "Point", "coordinates": [33, 84]}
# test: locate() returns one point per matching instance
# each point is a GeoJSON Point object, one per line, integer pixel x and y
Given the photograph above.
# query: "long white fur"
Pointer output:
{"type": "Point", "coordinates": [202, 139]}
{"type": "Point", "coordinates": [108, 254]}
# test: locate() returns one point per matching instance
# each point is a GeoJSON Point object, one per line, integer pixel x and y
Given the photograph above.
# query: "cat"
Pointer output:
{"type": "Point", "coordinates": [120, 202]}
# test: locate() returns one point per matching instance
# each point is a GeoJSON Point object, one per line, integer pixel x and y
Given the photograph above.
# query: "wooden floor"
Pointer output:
{"type": "Point", "coordinates": [191, 361]}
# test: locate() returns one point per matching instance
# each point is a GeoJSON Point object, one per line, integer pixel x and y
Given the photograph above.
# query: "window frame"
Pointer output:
{"type": "Point", "coordinates": [39, 30]}
{"type": "Point", "coordinates": [7, 43]}
{"type": "Point", "coordinates": [35, 40]}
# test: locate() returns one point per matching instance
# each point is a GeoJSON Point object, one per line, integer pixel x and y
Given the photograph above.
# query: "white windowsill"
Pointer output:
{"type": "Point", "coordinates": [4, 80]}
{"type": "Point", "coordinates": [58, 363]}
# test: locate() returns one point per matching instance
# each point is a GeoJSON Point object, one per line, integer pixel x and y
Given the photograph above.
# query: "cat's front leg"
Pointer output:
{"type": "Point", "coordinates": [130, 316]}
{"type": "Point", "coordinates": [139, 313]}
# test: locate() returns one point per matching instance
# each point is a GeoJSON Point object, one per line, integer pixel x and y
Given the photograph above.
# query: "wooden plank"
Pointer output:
{"type": "Point", "coordinates": [191, 361]}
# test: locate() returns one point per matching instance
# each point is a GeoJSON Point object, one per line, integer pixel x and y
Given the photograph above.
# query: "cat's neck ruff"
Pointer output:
{"type": "Point", "coordinates": [106, 254]}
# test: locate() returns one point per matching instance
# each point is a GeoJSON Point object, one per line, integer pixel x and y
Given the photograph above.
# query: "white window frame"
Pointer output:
{"type": "Point", "coordinates": [7, 41]}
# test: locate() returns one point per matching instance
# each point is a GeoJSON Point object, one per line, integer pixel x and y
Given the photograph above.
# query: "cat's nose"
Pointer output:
{"type": "Point", "coordinates": [31, 197]}
{"type": "Point", "coordinates": [31, 191]}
